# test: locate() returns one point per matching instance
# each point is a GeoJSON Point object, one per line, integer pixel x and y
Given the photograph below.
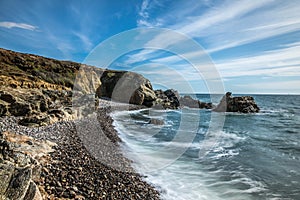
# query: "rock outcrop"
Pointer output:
{"type": "Point", "coordinates": [127, 87]}
{"type": "Point", "coordinates": [36, 107]}
{"type": "Point", "coordinates": [20, 166]}
{"type": "Point", "coordinates": [188, 101]}
{"type": "Point", "coordinates": [243, 104]}
{"type": "Point", "coordinates": [168, 99]}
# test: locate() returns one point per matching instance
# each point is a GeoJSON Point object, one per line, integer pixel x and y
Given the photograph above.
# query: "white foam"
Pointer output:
{"type": "Point", "coordinates": [185, 179]}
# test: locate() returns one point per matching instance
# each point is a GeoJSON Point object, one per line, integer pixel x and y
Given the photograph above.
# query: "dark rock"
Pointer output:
{"type": "Point", "coordinates": [7, 97]}
{"type": "Point", "coordinates": [173, 96]}
{"type": "Point", "coordinates": [20, 108]}
{"type": "Point", "coordinates": [6, 173]}
{"type": "Point", "coordinates": [156, 121]}
{"type": "Point", "coordinates": [32, 192]}
{"type": "Point", "coordinates": [3, 108]}
{"type": "Point", "coordinates": [205, 105]}
{"type": "Point", "coordinates": [35, 120]}
{"type": "Point", "coordinates": [168, 99]}
{"type": "Point", "coordinates": [243, 104]}
{"type": "Point", "coordinates": [127, 87]}
{"type": "Point", "coordinates": [188, 101]}
{"type": "Point", "coordinates": [19, 183]}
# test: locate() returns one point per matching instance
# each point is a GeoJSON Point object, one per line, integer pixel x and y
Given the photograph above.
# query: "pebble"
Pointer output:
{"type": "Point", "coordinates": [75, 173]}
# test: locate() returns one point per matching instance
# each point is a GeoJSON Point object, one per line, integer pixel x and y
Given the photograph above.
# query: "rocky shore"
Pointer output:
{"type": "Point", "coordinates": [72, 172]}
{"type": "Point", "coordinates": [58, 141]}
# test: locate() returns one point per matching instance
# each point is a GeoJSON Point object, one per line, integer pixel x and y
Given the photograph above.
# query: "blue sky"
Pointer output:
{"type": "Point", "coordinates": [254, 45]}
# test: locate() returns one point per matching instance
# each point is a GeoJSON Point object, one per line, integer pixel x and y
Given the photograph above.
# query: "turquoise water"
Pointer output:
{"type": "Point", "coordinates": [251, 156]}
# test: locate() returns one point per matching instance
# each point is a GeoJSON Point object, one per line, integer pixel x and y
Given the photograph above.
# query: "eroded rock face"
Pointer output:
{"type": "Point", "coordinates": [127, 87]}
{"type": "Point", "coordinates": [243, 104]}
{"type": "Point", "coordinates": [20, 166]}
{"type": "Point", "coordinates": [36, 107]}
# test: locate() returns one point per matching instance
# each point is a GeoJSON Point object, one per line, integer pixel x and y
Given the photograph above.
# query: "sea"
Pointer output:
{"type": "Point", "coordinates": [200, 154]}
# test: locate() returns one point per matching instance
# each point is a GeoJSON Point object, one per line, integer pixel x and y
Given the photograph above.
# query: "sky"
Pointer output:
{"type": "Point", "coordinates": [252, 46]}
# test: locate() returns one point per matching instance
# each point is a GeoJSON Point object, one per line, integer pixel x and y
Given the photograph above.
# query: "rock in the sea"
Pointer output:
{"type": "Point", "coordinates": [243, 104]}
{"type": "Point", "coordinates": [156, 121]}
{"type": "Point", "coordinates": [168, 99]}
{"type": "Point", "coordinates": [127, 87]}
{"type": "Point", "coordinates": [188, 101]}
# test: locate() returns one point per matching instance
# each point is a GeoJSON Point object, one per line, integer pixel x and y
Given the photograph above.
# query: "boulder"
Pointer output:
{"type": "Point", "coordinates": [243, 104]}
{"type": "Point", "coordinates": [168, 99]}
{"type": "Point", "coordinates": [127, 87]}
{"type": "Point", "coordinates": [173, 96]}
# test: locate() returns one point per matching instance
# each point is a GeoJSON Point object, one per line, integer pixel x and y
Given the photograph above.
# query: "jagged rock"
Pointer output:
{"type": "Point", "coordinates": [6, 172]}
{"type": "Point", "coordinates": [244, 104]}
{"type": "Point", "coordinates": [127, 87]}
{"type": "Point", "coordinates": [173, 96]}
{"type": "Point", "coordinates": [20, 108]}
{"type": "Point", "coordinates": [20, 167]}
{"type": "Point", "coordinates": [206, 105]}
{"type": "Point", "coordinates": [7, 97]}
{"type": "Point", "coordinates": [168, 99]}
{"type": "Point", "coordinates": [35, 120]}
{"type": "Point", "coordinates": [188, 101]}
{"type": "Point", "coordinates": [88, 80]}
{"type": "Point", "coordinates": [19, 183]}
{"type": "Point", "coordinates": [37, 107]}
{"type": "Point", "coordinates": [3, 108]}
{"type": "Point", "coordinates": [156, 121]}
{"type": "Point", "coordinates": [33, 192]}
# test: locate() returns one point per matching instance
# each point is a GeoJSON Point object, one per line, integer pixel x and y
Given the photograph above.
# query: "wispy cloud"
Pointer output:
{"type": "Point", "coordinates": [281, 62]}
{"type": "Point", "coordinates": [226, 12]}
{"type": "Point", "coordinates": [231, 24]}
{"type": "Point", "coordinates": [85, 40]}
{"type": "Point", "coordinates": [18, 25]}
{"type": "Point", "coordinates": [144, 15]}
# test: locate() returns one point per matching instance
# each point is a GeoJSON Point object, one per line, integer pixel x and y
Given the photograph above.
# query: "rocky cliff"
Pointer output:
{"type": "Point", "coordinates": [20, 70]}
{"type": "Point", "coordinates": [41, 90]}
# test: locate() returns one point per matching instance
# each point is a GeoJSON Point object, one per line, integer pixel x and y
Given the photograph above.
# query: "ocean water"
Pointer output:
{"type": "Point", "coordinates": [248, 156]}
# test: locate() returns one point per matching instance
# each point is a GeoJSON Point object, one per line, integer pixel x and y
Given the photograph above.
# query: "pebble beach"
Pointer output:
{"type": "Point", "coordinates": [74, 170]}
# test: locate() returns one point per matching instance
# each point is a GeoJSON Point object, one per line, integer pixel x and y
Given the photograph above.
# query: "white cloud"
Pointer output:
{"type": "Point", "coordinates": [143, 11]}
{"type": "Point", "coordinates": [281, 62]}
{"type": "Point", "coordinates": [18, 25]}
{"type": "Point", "coordinates": [233, 23]}
{"type": "Point", "coordinates": [226, 12]}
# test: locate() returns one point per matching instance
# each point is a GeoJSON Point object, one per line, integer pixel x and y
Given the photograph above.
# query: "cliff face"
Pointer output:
{"type": "Point", "coordinates": [41, 90]}
{"type": "Point", "coordinates": [19, 70]}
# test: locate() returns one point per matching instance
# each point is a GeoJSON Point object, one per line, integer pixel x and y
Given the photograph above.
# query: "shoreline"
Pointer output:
{"type": "Point", "coordinates": [73, 172]}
